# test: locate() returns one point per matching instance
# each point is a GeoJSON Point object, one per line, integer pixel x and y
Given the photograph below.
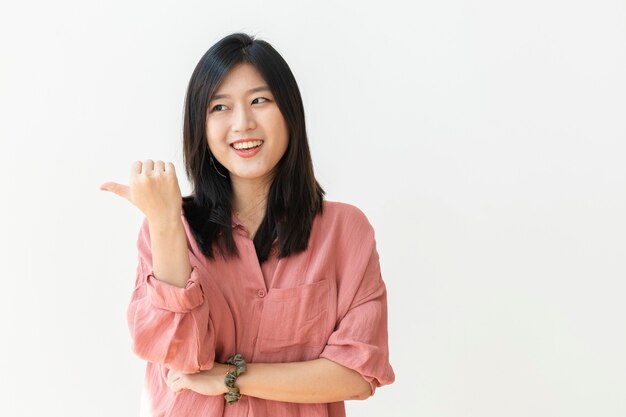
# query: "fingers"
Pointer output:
{"type": "Point", "coordinates": [149, 167]}
{"type": "Point", "coordinates": [171, 377]}
{"type": "Point", "coordinates": [176, 381]}
{"type": "Point", "coordinates": [135, 168]}
{"type": "Point", "coordinates": [159, 167]}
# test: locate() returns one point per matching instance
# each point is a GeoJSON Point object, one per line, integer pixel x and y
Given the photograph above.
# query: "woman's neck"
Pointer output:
{"type": "Point", "coordinates": [250, 202]}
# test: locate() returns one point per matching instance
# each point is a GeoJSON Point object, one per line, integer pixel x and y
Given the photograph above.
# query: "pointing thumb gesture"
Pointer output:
{"type": "Point", "coordinates": [153, 189]}
{"type": "Point", "coordinates": [119, 189]}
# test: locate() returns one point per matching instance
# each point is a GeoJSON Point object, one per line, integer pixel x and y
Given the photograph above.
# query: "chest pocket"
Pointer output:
{"type": "Point", "coordinates": [294, 317]}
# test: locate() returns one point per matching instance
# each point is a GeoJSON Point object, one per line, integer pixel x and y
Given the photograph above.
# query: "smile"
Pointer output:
{"type": "Point", "coordinates": [247, 148]}
{"type": "Point", "coordinates": [247, 145]}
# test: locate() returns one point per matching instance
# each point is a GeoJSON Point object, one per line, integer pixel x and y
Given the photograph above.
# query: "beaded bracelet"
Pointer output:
{"type": "Point", "coordinates": [233, 394]}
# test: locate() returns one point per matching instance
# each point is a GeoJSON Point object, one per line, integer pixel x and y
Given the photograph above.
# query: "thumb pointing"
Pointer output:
{"type": "Point", "coordinates": [119, 189]}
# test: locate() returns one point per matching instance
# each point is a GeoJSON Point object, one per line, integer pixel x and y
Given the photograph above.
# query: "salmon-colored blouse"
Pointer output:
{"type": "Point", "coordinates": [327, 302]}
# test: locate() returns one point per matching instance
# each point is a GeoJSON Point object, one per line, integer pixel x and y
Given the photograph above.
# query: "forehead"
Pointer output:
{"type": "Point", "coordinates": [241, 79]}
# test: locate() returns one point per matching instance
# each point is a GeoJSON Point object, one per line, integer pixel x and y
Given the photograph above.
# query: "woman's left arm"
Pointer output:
{"type": "Point", "coordinates": [315, 381]}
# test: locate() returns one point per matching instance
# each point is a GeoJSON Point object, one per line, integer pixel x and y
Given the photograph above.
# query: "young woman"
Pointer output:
{"type": "Point", "coordinates": [253, 295]}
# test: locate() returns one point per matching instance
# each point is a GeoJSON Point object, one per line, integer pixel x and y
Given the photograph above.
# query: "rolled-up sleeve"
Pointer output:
{"type": "Point", "coordinates": [360, 338]}
{"type": "Point", "coordinates": [169, 325]}
{"type": "Point", "coordinates": [172, 298]}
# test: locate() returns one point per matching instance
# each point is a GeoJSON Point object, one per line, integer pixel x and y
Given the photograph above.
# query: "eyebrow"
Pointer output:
{"type": "Point", "coordinates": [252, 90]}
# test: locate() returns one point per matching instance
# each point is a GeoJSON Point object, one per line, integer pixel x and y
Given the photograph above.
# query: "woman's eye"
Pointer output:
{"type": "Point", "coordinates": [218, 107]}
{"type": "Point", "coordinates": [259, 100]}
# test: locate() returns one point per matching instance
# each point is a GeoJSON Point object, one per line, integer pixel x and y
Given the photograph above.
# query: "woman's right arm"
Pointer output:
{"type": "Point", "coordinates": [170, 259]}
{"type": "Point", "coordinates": [154, 190]}
{"type": "Point", "coordinates": [168, 314]}
{"type": "Point", "coordinates": [169, 323]}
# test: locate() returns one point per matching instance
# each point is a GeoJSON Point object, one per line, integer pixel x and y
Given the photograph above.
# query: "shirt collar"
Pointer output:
{"type": "Point", "coordinates": [235, 221]}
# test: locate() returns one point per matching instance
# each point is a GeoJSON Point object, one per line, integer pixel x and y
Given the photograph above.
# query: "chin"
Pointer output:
{"type": "Point", "coordinates": [250, 175]}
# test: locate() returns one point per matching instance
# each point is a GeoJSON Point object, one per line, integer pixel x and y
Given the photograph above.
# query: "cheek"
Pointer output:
{"type": "Point", "coordinates": [210, 141]}
{"type": "Point", "coordinates": [214, 134]}
{"type": "Point", "coordinates": [216, 122]}
{"type": "Point", "coordinates": [282, 130]}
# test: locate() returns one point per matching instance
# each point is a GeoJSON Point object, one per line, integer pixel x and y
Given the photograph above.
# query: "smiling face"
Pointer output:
{"type": "Point", "coordinates": [246, 131]}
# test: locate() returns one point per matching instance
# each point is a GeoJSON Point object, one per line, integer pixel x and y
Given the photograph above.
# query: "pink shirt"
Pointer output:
{"type": "Point", "coordinates": [327, 302]}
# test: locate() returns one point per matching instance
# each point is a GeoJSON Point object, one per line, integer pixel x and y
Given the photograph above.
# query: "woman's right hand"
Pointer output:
{"type": "Point", "coordinates": [209, 382]}
{"type": "Point", "coordinates": [153, 189]}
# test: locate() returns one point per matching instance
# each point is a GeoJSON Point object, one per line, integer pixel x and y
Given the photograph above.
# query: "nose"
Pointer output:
{"type": "Point", "coordinates": [243, 119]}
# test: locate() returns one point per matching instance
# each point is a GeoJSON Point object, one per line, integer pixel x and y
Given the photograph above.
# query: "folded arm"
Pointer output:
{"type": "Point", "coordinates": [315, 381]}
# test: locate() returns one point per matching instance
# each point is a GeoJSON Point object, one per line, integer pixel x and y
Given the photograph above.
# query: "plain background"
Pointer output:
{"type": "Point", "coordinates": [485, 141]}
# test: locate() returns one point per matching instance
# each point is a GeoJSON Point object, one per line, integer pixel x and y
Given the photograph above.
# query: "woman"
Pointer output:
{"type": "Point", "coordinates": [255, 262]}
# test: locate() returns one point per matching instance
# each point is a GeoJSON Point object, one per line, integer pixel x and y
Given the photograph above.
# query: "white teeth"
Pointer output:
{"type": "Point", "coordinates": [247, 145]}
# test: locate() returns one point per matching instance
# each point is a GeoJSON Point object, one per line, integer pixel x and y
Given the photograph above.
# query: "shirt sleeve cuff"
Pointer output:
{"type": "Point", "coordinates": [173, 298]}
{"type": "Point", "coordinates": [339, 358]}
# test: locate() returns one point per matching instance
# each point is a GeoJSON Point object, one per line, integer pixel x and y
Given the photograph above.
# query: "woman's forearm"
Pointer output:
{"type": "Point", "coordinates": [315, 381]}
{"type": "Point", "coordinates": [170, 257]}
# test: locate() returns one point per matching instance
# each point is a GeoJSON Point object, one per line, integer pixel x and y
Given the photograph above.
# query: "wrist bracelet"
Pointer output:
{"type": "Point", "coordinates": [233, 394]}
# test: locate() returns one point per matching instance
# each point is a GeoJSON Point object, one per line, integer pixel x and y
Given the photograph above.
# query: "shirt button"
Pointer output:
{"type": "Point", "coordinates": [261, 293]}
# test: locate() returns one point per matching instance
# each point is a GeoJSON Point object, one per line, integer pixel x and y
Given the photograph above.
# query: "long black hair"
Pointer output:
{"type": "Point", "coordinates": [294, 198]}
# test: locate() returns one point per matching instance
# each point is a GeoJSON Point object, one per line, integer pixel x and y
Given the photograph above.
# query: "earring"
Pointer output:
{"type": "Point", "coordinates": [214, 166]}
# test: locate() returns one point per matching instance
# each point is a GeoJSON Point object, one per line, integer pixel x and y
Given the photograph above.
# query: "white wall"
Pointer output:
{"type": "Point", "coordinates": [485, 140]}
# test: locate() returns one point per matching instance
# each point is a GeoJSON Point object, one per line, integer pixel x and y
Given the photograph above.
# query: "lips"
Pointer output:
{"type": "Point", "coordinates": [247, 148]}
{"type": "Point", "coordinates": [244, 145]}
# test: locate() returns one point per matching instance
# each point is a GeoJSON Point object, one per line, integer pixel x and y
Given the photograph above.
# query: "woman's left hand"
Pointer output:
{"type": "Point", "coordinates": [210, 382]}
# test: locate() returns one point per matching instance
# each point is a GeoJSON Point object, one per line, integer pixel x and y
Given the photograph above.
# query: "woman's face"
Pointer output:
{"type": "Point", "coordinates": [246, 131]}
